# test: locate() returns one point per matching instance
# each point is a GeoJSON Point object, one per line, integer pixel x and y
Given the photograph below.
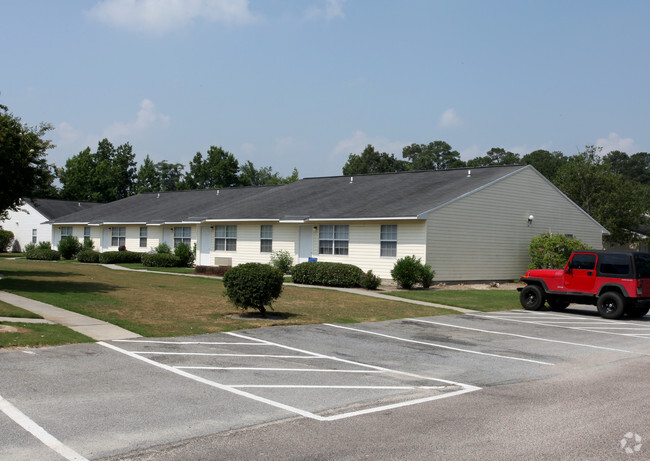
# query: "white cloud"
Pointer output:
{"type": "Point", "coordinates": [147, 118]}
{"type": "Point", "coordinates": [615, 142]}
{"type": "Point", "coordinates": [332, 9]}
{"type": "Point", "coordinates": [247, 148]}
{"type": "Point", "coordinates": [449, 119]}
{"type": "Point", "coordinates": [161, 16]}
{"type": "Point", "coordinates": [67, 134]}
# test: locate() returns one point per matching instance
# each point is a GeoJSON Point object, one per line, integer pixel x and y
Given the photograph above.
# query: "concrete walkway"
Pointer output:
{"type": "Point", "coordinates": [93, 328]}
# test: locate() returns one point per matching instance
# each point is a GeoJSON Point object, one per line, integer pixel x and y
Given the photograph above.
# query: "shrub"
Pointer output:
{"type": "Point", "coordinates": [409, 271]}
{"type": "Point", "coordinates": [89, 244]}
{"type": "Point", "coordinates": [120, 257]}
{"type": "Point", "coordinates": [69, 247]}
{"type": "Point", "coordinates": [163, 248]}
{"type": "Point", "coordinates": [370, 281]}
{"type": "Point", "coordinates": [327, 274]}
{"type": "Point", "coordinates": [5, 240]}
{"type": "Point", "coordinates": [29, 247]}
{"type": "Point", "coordinates": [43, 254]}
{"type": "Point", "coordinates": [552, 251]}
{"type": "Point", "coordinates": [160, 260]}
{"type": "Point", "coordinates": [218, 271]}
{"type": "Point", "coordinates": [88, 256]}
{"type": "Point", "coordinates": [121, 248]}
{"type": "Point", "coordinates": [185, 255]}
{"type": "Point", "coordinates": [44, 245]}
{"type": "Point", "coordinates": [15, 247]}
{"type": "Point", "coordinates": [282, 261]}
{"type": "Point", "coordinates": [253, 285]}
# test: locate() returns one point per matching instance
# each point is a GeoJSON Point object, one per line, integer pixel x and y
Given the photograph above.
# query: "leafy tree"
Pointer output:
{"type": "Point", "coordinates": [545, 162]}
{"type": "Point", "coordinates": [103, 176]}
{"type": "Point", "coordinates": [635, 168]}
{"type": "Point", "coordinates": [616, 203]}
{"type": "Point", "coordinates": [170, 176]}
{"type": "Point", "coordinates": [218, 169]}
{"type": "Point", "coordinates": [495, 156]}
{"type": "Point", "coordinates": [371, 161]}
{"type": "Point", "coordinates": [24, 172]}
{"type": "Point", "coordinates": [147, 179]}
{"type": "Point", "coordinates": [552, 251]}
{"type": "Point", "coordinates": [250, 176]}
{"type": "Point", "coordinates": [436, 155]}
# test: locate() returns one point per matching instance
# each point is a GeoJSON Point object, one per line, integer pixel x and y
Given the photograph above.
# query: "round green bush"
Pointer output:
{"type": "Point", "coordinates": [253, 285]}
{"type": "Point", "coordinates": [69, 247]}
{"type": "Point", "coordinates": [282, 260]}
{"type": "Point", "coordinates": [409, 271]}
{"type": "Point", "coordinates": [88, 256]}
{"type": "Point", "coordinates": [370, 281]}
{"type": "Point", "coordinates": [185, 255]}
{"type": "Point", "coordinates": [160, 260]}
{"type": "Point", "coordinates": [327, 274]}
{"type": "Point", "coordinates": [43, 254]}
{"type": "Point", "coordinates": [552, 251]}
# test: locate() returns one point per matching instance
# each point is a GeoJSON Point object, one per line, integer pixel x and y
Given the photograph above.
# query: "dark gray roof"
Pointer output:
{"type": "Point", "coordinates": [391, 195]}
{"type": "Point", "coordinates": [54, 208]}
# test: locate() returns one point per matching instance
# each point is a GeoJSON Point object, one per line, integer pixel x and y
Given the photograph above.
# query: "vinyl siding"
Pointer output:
{"type": "Point", "coordinates": [485, 236]}
{"type": "Point", "coordinates": [21, 223]}
{"type": "Point", "coordinates": [285, 237]}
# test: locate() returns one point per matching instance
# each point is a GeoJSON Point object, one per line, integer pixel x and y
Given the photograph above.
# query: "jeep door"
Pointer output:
{"type": "Point", "coordinates": [580, 275]}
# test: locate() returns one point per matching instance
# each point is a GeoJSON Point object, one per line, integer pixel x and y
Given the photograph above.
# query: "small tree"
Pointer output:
{"type": "Point", "coordinates": [5, 240]}
{"type": "Point", "coordinates": [253, 285]}
{"type": "Point", "coordinates": [552, 251]}
{"type": "Point", "coordinates": [282, 260]}
{"type": "Point", "coordinates": [185, 254]}
{"type": "Point", "coordinates": [69, 246]}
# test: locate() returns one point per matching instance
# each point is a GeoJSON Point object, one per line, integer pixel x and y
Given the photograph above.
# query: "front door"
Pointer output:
{"type": "Point", "coordinates": [204, 245]}
{"type": "Point", "coordinates": [305, 244]}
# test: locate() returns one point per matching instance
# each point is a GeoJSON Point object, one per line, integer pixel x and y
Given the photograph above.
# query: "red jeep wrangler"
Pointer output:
{"type": "Point", "coordinates": [617, 282]}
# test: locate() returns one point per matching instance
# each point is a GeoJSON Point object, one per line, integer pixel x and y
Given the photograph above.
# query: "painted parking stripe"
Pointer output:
{"type": "Point", "coordinates": [426, 343]}
{"type": "Point", "coordinates": [535, 338]}
{"type": "Point", "coordinates": [551, 324]}
{"type": "Point", "coordinates": [301, 370]}
{"type": "Point", "coordinates": [37, 431]}
{"type": "Point", "coordinates": [464, 388]}
{"type": "Point", "coordinates": [210, 354]}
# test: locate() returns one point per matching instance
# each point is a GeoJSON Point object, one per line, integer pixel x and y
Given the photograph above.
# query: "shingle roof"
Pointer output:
{"type": "Point", "coordinates": [391, 195]}
{"type": "Point", "coordinates": [53, 208]}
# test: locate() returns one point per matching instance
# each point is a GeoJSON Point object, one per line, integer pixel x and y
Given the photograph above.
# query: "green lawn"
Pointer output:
{"type": "Point", "coordinates": [7, 310]}
{"type": "Point", "coordinates": [480, 300]}
{"type": "Point", "coordinates": [174, 270]}
{"type": "Point", "coordinates": [17, 334]}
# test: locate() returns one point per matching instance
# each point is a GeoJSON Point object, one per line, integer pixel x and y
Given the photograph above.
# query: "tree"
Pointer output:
{"type": "Point", "coordinates": [219, 169]}
{"type": "Point", "coordinates": [103, 176]}
{"type": "Point", "coordinates": [250, 176]}
{"type": "Point", "coordinates": [547, 163]}
{"type": "Point", "coordinates": [611, 200]}
{"type": "Point", "coordinates": [147, 179]}
{"type": "Point", "coordinates": [170, 176]}
{"type": "Point", "coordinates": [495, 156]}
{"type": "Point", "coordinates": [24, 172]}
{"type": "Point", "coordinates": [371, 161]}
{"type": "Point", "coordinates": [436, 155]}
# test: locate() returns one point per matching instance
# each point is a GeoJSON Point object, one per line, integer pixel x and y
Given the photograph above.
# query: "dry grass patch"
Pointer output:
{"type": "Point", "coordinates": [171, 305]}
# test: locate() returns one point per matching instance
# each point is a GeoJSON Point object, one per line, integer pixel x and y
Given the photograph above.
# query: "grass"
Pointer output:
{"type": "Point", "coordinates": [7, 310]}
{"type": "Point", "coordinates": [174, 270]}
{"type": "Point", "coordinates": [166, 305]}
{"type": "Point", "coordinates": [480, 300]}
{"type": "Point", "coordinates": [17, 334]}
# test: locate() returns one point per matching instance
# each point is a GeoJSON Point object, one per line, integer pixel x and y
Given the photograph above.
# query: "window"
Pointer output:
{"type": "Point", "coordinates": [182, 235]}
{"type": "Point", "coordinates": [388, 240]}
{"type": "Point", "coordinates": [86, 234]}
{"type": "Point", "coordinates": [66, 231]}
{"type": "Point", "coordinates": [615, 264]}
{"type": "Point", "coordinates": [266, 239]}
{"type": "Point", "coordinates": [33, 235]}
{"type": "Point", "coordinates": [143, 237]}
{"type": "Point", "coordinates": [225, 238]}
{"type": "Point", "coordinates": [333, 240]}
{"type": "Point", "coordinates": [118, 236]}
{"type": "Point", "coordinates": [583, 261]}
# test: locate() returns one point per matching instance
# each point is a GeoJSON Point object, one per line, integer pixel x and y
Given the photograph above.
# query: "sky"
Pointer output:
{"type": "Point", "coordinates": [304, 83]}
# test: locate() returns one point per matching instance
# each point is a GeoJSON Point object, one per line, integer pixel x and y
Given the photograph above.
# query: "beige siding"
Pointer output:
{"type": "Point", "coordinates": [485, 236]}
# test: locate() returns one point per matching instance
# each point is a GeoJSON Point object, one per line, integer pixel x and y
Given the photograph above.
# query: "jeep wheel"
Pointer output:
{"type": "Point", "coordinates": [557, 304]}
{"type": "Point", "coordinates": [611, 305]}
{"type": "Point", "coordinates": [636, 311]}
{"type": "Point", "coordinates": [531, 297]}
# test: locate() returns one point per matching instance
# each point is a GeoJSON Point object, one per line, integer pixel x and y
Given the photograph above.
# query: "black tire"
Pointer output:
{"type": "Point", "coordinates": [532, 298]}
{"type": "Point", "coordinates": [636, 311]}
{"type": "Point", "coordinates": [611, 305]}
{"type": "Point", "coordinates": [557, 304]}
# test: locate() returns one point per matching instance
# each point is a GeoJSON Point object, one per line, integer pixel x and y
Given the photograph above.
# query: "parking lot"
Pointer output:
{"type": "Point", "coordinates": [158, 398]}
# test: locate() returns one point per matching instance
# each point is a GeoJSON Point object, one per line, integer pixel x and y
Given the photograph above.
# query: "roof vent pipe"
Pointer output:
{"type": "Point", "coordinates": [158, 195]}
{"type": "Point", "coordinates": [79, 203]}
{"type": "Point", "coordinates": [469, 173]}
{"type": "Point", "coordinates": [217, 191]}
{"type": "Point", "coordinates": [351, 179]}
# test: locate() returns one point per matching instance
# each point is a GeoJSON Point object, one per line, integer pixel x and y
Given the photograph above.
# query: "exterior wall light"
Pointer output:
{"type": "Point", "coordinates": [530, 219]}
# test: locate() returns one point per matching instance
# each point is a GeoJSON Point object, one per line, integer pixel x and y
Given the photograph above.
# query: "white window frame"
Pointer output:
{"type": "Point", "coordinates": [66, 231]}
{"type": "Point", "coordinates": [225, 238]}
{"type": "Point", "coordinates": [334, 239]}
{"type": "Point", "coordinates": [266, 238]}
{"type": "Point", "coordinates": [388, 241]}
{"type": "Point", "coordinates": [118, 236]}
{"type": "Point", "coordinates": [143, 237]}
{"type": "Point", "coordinates": [34, 235]}
{"type": "Point", "coordinates": [86, 234]}
{"type": "Point", "coordinates": [182, 234]}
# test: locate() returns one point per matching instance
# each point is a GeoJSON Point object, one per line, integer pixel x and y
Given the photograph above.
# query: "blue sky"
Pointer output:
{"type": "Point", "coordinates": [304, 83]}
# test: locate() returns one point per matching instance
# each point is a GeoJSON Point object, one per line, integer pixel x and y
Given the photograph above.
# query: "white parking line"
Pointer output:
{"type": "Point", "coordinates": [301, 370]}
{"type": "Point", "coordinates": [209, 354]}
{"type": "Point", "coordinates": [37, 431]}
{"type": "Point", "coordinates": [426, 343]}
{"type": "Point", "coordinates": [536, 338]}
{"type": "Point", "coordinates": [464, 388]}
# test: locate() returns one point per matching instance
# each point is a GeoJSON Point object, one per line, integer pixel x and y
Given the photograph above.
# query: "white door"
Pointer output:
{"type": "Point", "coordinates": [106, 236]}
{"type": "Point", "coordinates": [204, 246]}
{"type": "Point", "coordinates": [305, 244]}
